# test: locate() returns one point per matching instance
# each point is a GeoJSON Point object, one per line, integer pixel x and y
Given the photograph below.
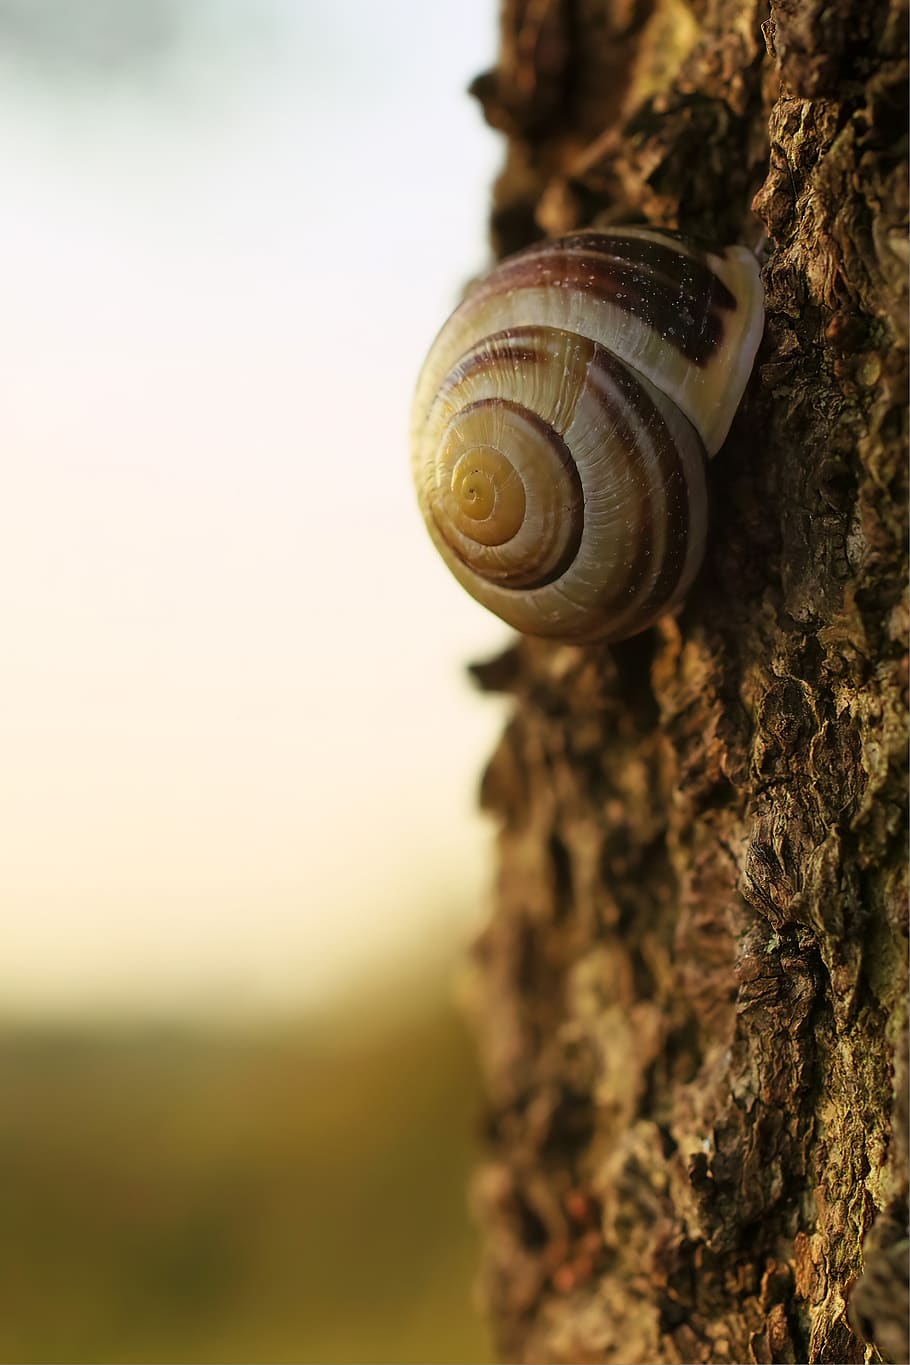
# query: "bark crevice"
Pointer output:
{"type": "Point", "coordinates": [692, 993]}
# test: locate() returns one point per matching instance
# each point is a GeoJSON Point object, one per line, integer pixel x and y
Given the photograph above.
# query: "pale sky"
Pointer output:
{"type": "Point", "coordinates": [238, 756]}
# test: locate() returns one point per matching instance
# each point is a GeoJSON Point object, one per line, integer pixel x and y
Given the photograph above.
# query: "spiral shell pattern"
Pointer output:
{"type": "Point", "coordinates": [561, 424]}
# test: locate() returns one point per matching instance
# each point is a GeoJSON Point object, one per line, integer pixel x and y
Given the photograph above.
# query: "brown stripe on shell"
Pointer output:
{"type": "Point", "coordinates": [515, 579]}
{"type": "Point", "coordinates": [525, 345]}
{"type": "Point", "coordinates": [659, 258]}
{"type": "Point", "coordinates": [679, 297]}
{"type": "Point", "coordinates": [671, 473]}
{"type": "Point", "coordinates": [512, 349]}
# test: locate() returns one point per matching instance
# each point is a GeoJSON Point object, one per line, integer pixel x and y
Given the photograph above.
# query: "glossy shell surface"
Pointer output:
{"type": "Point", "coordinates": [562, 421]}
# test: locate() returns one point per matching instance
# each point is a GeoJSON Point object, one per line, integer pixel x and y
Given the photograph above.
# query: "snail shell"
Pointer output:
{"type": "Point", "coordinates": [562, 421]}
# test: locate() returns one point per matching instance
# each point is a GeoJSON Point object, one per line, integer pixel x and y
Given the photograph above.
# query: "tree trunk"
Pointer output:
{"type": "Point", "coordinates": [692, 994]}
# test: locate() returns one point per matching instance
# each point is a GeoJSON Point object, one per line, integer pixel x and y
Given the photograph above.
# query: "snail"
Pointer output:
{"type": "Point", "coordinates": [563, 420]}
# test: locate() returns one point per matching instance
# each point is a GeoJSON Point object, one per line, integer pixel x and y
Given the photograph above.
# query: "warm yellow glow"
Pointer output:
{"type": "Point", "coordinates": [237, 754]}
{"type": "Point", "coordinates": [488, 496]}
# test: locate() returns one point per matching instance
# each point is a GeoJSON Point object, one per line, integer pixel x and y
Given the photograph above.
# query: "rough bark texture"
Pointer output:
{"type": "Point", "coordinates": [692, 994]}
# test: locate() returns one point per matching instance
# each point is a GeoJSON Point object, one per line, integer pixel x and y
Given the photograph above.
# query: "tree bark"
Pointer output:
{"type": "Point", "coordinates": [692, 993]}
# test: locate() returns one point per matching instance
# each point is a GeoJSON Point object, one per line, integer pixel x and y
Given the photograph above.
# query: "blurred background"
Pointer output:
{"type": "Point", "coordinates": [240, 857]}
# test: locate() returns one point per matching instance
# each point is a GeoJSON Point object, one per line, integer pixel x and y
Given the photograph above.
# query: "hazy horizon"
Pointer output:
{"type": "Point", "coordinates": [240, 754]}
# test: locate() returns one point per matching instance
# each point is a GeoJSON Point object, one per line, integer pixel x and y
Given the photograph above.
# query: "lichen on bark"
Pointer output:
{"type": "Point", "coordinates": [692, 992]}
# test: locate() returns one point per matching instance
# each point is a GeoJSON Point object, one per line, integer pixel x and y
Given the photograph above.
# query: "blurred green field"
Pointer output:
{"type": "Point", "coordinates": [297, 1195]}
